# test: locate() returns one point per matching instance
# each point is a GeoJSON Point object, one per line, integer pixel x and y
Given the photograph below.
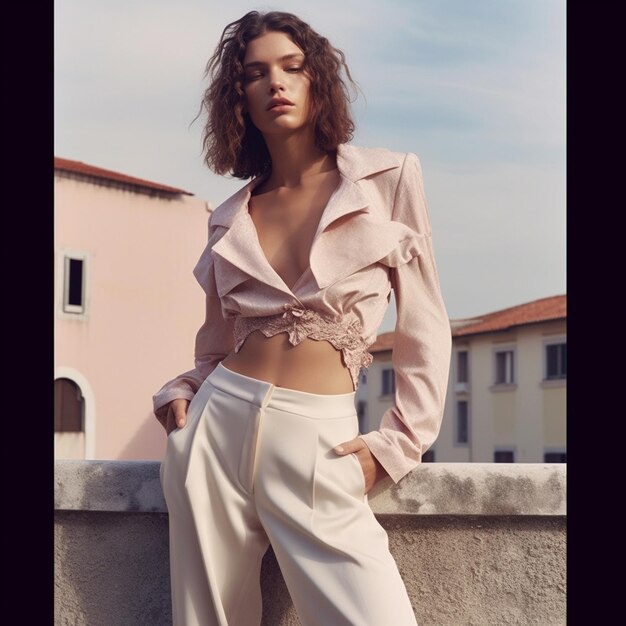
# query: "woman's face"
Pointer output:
{"type": "Point", "coordinates": [275, 85]}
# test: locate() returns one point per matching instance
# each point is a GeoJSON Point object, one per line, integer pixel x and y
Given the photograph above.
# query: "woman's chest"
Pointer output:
{"type": "Point", "coordinates": [286, 222]}
{"type": "Point", "coordinates": [285, 236]}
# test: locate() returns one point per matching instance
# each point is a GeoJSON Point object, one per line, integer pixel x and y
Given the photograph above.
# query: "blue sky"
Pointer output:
{"type": "Point", "coordinates": [475, 88]}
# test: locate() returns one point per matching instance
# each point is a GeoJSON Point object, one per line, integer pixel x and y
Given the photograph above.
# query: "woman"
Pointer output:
{"type": "Point", "coordinates": [263, 444]}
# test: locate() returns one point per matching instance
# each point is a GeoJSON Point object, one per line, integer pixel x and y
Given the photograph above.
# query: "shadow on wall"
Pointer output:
{"type": "Point", "coordinates": [148, 442]}
{"type": "Point", "coordinates": [277, 605]}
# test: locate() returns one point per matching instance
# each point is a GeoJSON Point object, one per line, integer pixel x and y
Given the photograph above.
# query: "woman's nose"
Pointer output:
{"type": "Point", "coordinates": [276, 83]}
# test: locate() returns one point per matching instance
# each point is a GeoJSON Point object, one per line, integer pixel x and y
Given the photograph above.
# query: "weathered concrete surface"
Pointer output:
{"type": "Point", "coordinates": [507, 571]}
{"type": "Point", "coordinates": [431, 489]}
{"type": "Point", "coordinates": [480, 569]}
{"type": "Point", "coordinates": [111, 569]}
{"type": "Point", "coordinates": [130, 486]}
{"type": "Point", "coordinates": [475, 489]}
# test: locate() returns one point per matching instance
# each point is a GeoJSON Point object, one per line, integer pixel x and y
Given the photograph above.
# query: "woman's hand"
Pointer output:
{"type": "Point", "coordinates": [176, 415]}
{"type": "Point", "coordinates": [373, 471]}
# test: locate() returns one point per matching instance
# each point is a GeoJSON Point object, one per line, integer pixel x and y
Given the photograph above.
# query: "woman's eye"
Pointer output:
{"type": "Point", "coordinates": [294, 69]}
{"type": "Point", "coordinates": [254, 76]}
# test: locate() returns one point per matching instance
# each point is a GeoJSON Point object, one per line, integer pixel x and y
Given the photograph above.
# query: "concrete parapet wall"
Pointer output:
{"type": "Point", "coordinates": [477, 544]}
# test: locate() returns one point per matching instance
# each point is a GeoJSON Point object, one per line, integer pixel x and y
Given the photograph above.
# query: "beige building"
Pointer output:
{"type": "Point", "coordinates": [127, 306]}
{"type": "Point", "coordinates": [506, 399]}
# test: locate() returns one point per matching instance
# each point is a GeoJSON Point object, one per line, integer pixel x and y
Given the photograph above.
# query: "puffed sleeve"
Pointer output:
{"type": "Point", "coordinates": [422, 340]}
{"type": "Point", "coordinates": [214, 340]}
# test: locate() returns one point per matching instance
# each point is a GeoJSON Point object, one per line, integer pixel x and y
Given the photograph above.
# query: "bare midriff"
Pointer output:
{"type": "Point", "coordinates": [312, 366]}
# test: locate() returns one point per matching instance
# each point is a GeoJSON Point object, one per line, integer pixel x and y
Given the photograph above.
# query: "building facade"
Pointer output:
{"type": "Point", "coordinates": [506, 397]}
{"type": "Point", "coordinates": [127, 306]}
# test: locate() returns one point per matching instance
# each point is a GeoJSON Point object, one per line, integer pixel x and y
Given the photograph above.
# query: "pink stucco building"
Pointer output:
{"type": "Point", "coordinates": [127, 306]}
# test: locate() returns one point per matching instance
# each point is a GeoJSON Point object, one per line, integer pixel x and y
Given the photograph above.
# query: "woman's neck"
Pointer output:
{"type": "Point", "coordinates": [296, 157]}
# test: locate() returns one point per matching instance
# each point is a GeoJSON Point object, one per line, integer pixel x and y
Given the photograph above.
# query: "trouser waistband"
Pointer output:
{"type": "Point", "coordinates": [262, 393]}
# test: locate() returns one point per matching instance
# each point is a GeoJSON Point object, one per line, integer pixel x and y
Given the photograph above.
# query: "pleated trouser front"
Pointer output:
{"type": "Point", "coordinates": [255, 465]}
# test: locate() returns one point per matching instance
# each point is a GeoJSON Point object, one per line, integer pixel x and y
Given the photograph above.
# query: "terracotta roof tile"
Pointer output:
{"type": "Point", "coordinates": [78, 167]}
{"type": "Point", "coordinates": [543, 310]}
{"type": "Point", "coordinates": [383, 342]}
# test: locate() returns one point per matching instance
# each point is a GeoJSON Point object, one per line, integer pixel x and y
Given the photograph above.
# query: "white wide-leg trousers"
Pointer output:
{"type": "Point", "coordinates": [255, 465]}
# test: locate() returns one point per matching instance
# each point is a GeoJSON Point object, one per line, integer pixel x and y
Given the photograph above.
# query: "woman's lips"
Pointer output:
{"type": "Point", "coordinates": [280, 108]}
{"type": "Point", "coordinates": [280, 104]}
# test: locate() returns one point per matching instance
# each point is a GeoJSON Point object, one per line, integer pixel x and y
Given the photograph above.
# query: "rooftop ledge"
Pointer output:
{"type": "Point", "coordinates": [476, 543]}
{"type": "Point", "coordinates": [477, 489]}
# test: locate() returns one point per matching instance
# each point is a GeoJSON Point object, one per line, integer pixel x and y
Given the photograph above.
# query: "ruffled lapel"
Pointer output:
{"type": "Point", "coordinates": [239, 245]}
{"type": "Point", "coordinates": [329, 258]}
{"type": "Point", "coordinates": [356, 163]}
{"type": "Point", "coordinates": [241, 248]}
{"type": "Point", "coordinates": [339, 249]}
{"type": "Point", "coordinates": [232, 208]}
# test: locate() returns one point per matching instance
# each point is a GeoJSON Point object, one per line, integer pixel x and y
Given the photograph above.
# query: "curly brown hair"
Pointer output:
{"type": "Point", "coordinates": [231, 142]}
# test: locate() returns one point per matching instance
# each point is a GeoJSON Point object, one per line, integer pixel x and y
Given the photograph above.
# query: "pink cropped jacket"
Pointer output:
{"type": "Point", "coordinates": [374, 235]}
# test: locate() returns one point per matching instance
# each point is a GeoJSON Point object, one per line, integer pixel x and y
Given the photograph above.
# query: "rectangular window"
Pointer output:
{"type": "Point", "coordinates": [462, 422]}
{"type": "Point", "coordinates": [428, 456]}
{"type": "Point", "coordinates": [556, 361]}
{"type": "Point", "coordinates": [505, 367]}
{"type": "Point", "coordinates": [361, 412]}
{"type": "Point", "coordinates": [389, 382]}
{"type": "Point", "coordinates": [555, 457]}
{"type": "Point", "coordinates": [74, 285]}
{"type": "Point", "coordinates": [461, 367]}
{"type": "Point", "coordinates": [360, 408]}
{"type": "Point", "coordinates": [504, 456]}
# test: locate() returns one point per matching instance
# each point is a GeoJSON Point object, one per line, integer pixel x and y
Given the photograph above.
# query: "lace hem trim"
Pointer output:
{"type": "Point", "coordinates": [300, 323]}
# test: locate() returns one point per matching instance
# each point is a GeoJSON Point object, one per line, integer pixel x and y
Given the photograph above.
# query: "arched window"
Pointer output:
{"type": "Point", "coordinates": [69, 407]}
